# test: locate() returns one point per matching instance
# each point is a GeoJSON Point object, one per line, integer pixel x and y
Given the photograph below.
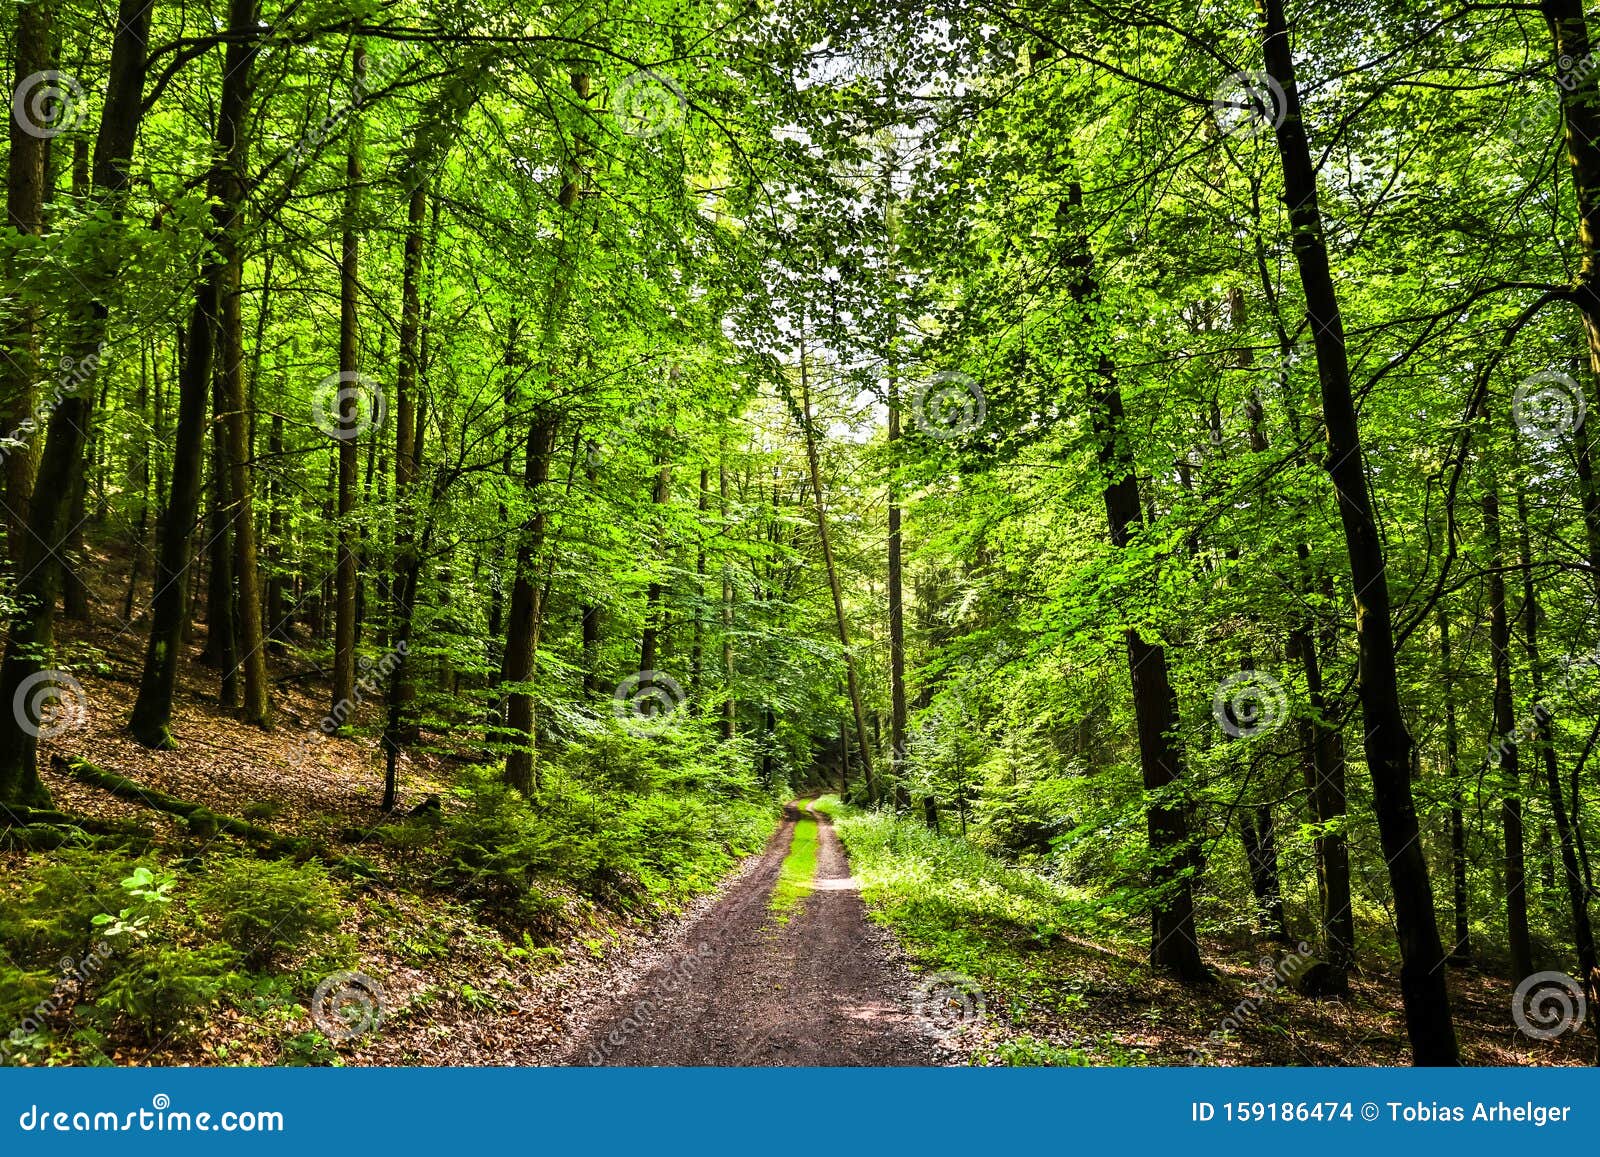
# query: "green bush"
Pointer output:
{"type": "Point", "coordinates": [617, 847]}
{"type": "Point", "coordinates": [268, 909]}
{"type": "Point", "coordinates": [21, 991]}
{"type": "Point", "coordinates": [162, 990]}
{"type": "Point", "coordinates": [495, 843]}
{"type": "Point", "coordinates": [49, 911]}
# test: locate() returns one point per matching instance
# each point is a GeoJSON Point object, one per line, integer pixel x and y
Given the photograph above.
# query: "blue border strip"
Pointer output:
{"type": "Point", "coordinates": [1352, 1112]}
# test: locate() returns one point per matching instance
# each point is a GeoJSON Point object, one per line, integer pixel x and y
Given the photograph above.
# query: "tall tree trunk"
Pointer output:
{"type": "Point", "coordinates": [350, 399]}
{"type": "Point", "coordinates": [277, 608]}
{"type": "Point", "coordinates": [852, 681]}
{"type": "Point", "coordinates": [25, 197]}
{"type": "Point", "coordinates": [1518, 941]}
{"type": "Point", "coordinates": [1174, 946]}
{"type": "Point", "coordinates": [730, 706]}
{"type": "Point", "coordinates": [1388, 743]}
{"type": "Point", "coordinates": [521, 772]}
{"type": "Point", "coordinates": [1571, 871]}
{"type": "Point", "coordinates": [697, 642]}
{"type": "Point", "coordinates": [1461, 950]}
{"type": "Point", "coordinates": [650, 630]}
{"type": "Point", "coordinates": [1325, 771]}
{"type": "Point", "coordinates": [139, 478]}
{"type": "Point", "coordinates": [240, 497]}
{"type": "Point", "coordinates": [221, 642]}
{"type": "Point", "coordinates": [897, 614]}
{"type": "Point", "coordinates": [75, 586]}
{"type": "Point", "coordinates": [526, 612]}
{"type": "Point", "coordinates": [408, 437]}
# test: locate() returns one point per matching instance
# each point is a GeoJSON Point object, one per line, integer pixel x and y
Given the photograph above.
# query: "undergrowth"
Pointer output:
{"type": "Point", "coordinates": [1017, 932]}
{"type": "Point", "coordinates": [104, 955]}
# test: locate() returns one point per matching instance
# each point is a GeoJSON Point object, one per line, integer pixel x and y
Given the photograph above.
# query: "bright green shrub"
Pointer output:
{"type": "Point", "coordinates": [162, 990]}
{"type": "Point", "coordinates": [268, 909]}
{"type": "Point", "coordinates": [21, 991]}
{"type": "Point", "coordinates": [49, 911]}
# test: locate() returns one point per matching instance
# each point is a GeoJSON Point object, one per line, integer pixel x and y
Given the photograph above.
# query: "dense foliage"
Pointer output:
{"type": "Point", "coordinates": [1147, 441]}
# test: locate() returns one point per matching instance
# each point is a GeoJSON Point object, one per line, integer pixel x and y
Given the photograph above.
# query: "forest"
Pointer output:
{"type": "Point", "coordinates": [730, 532]}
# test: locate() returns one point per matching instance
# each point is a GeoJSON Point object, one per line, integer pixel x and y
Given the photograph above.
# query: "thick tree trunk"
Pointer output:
{"type": "Point", "coordinates": [240, 497]}
{"type": "Point", "coordinates": [1388, 743]}
{"type": "Point", "coordinates": [25, 197]}
{"type": "Point", "coordinates": [521, 623]}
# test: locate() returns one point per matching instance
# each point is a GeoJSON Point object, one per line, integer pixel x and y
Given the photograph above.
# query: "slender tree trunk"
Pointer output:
{"type": "Point", "coordinates": [398, 730]}
{"type": "Point", "coordinates": [526, 611]}
{"type": "Point", "coordinates": [1518, 941]}
{"type": "Point", "coordinates": [406, 462]}
{"type": "Point", "coordinates": [697, 643]}
{"type": "Point", "coordinates": [350, 399]}
{"type": "Point", "coordinates": [139, 479]}
{"type": "Point", "coordinates": [1174, 946]}
{"type": "Point", "coordinates": [1388, 743]}
{"type": "Point", "coordinates": [1572, 873]}
{"type": "Point", "coordinates": [897, 616]}
{"type": "Point", "coordinates": [853, 683]}
{"type": "Point", "coordinates": [1461, 950]}
{"type": "Point", "coordinates": [1325, 776]}
{"type": "Point", "coordinates": [650, 631]}
{"type": "Point", "coordinates": [730, 706]}
{"type": "Point", "coordinates": [277, 608]}
{"type": "Point", "coordinates": [75, 586]}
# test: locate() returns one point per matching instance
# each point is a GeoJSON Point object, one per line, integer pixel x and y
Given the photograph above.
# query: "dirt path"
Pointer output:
{"type": "Point", "coordinates": [825, 988]}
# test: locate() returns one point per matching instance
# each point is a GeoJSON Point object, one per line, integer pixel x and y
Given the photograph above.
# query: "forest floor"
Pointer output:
{"type": "Point", "coordinates": [798, 956]}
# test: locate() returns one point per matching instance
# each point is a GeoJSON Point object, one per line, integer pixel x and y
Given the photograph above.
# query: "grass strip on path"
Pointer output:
{"type": "Point", "coordinates": [798, 871]}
